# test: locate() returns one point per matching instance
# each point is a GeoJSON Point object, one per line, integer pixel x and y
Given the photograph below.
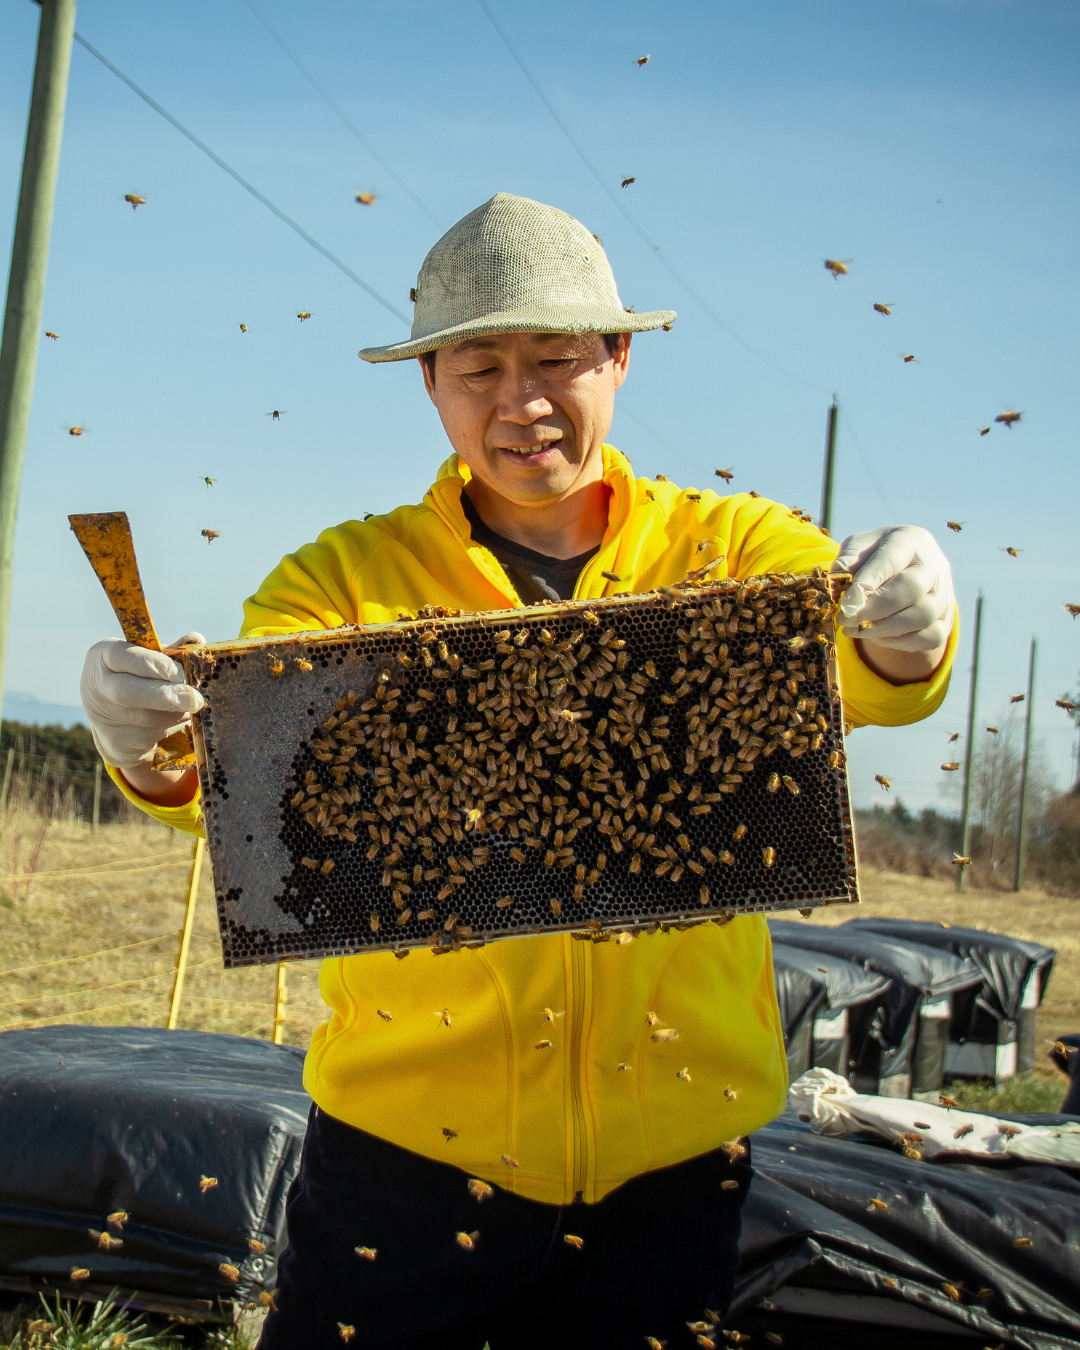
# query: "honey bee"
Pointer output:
{"type": "Point", "coordinates": [985, 431]}
{"type": "Point", "coordinates": [651, 1019]}
{"type": "Point", "coordinates": [836, 268]}
{"type": "Point", "coordinates": [773, 1337]}
{"type": "Point", "coordinates": [209, 481]}
{"type": "Point", "coordinates": [729, 1185]}
{"type": "Point", "coordinates": [366, 198]}
{"type": "Point", "coordinates": [327, 867]}
{"type": "Point", "coordinates": [774, 782]}
{"type": "Point", "coordinates": [768, 855]}
{"type": "Point", "coordinates": [79, 1273]}
{"type": "Point", "coordinates": [951, 765]}
{"type": "Point", "coordinates": [726, 474]}
{"type": "Point", "coordinates": [386, 1017]}
{"type": "Point", "coordinates": [443, 1014]}
{"type": "Point", "coordinates": [697, 1326]}
{"type": "Point", "coordinates": [665, 1034]}
{"type": "Point", "coordinates": [958, 861]}
{"type": "Point", "coordinates": [955, 525]}
{"type": "Point", "coordinates": [654, 1344]}
{"type": "Point", "coordinates": [952, 1291]}
{"type": "Point", "coordinates": [542, 1045]}
{"type": "Point", "coordinates": [909, 358]}
{"type": "Point", "coordinates": [207, 1184]}
{"type": "Point", "coordinates": [267, 1299]}
{"type": "Point", "coordinates": [1012, 552]}
{"type": "Point", "coordinates": [277, 667]}
{"type": "Point", "coordinates": [884, 309]}
{"type": "Point", "coordinates": [572, 1240]}
{"type": "Point", "coordinates": [244, 328]}
{"type": "Point", "coordinates": [505, 902]}
{"type": "Point", "coordinates": [1073, 610]}
{"type": "Point", "coordinates": [135, 200]}
{"type": "Point", "coordinates": [984, 1294]}
{"type": "Point", "coordinates": [550, 1016]}
{"type": "Point", "coordinates": [448, 1133]}
{"type": "Point", "coordinates": [865, 624]}
{"type": "Point", "coordinates": [994, 730]}
{"type": "Point", "coordinates": [412, 294]}
{"type": "Point", "coordinates": [301, 664]}
{"type": "Point", "coordinates": [256, 1246]}
{"type": "Point", "coordinates": [304, 314]}
{"type": "Point", "coordinates": [627, 181]}
{"type": "Point", "coordinates": [684, 1074]}
{"type": "Point", "coordinates": [885, 783]}
{"type": "Point", "coordinates": [510, 1161]}
{"type": "Point", "coordinates": [55, 336]}
{"type": "Point", "coordinates": [480, 1190]}
{"type": "Point", "coordinates": [467, 1241]}
{"type": "Point", "coordinates": [366, 1253]}
{"type": "Point", "coordinates": [963, 1131]}
{"type": "Point", "coordinates": [641, 61]}
{"type": "Point", "coordinates": [622, 1068]}
{"type": "Point", "coordinates": [609, 576]}
{"type": "Point", "coordinates": [734, 1148]}
{"type": "Point", "coordinates": [1007, 418]}
{"type": "Point", "coordinates": [210, 535]}
{"type": "Point", "coordinates": [876, 1204]}
{"type": "Point", "coordinates": [75, 431]}
{"type": "Point", "coordinates": [738, 833]}
{"type": "Point", "coordinates": [276, 414]}
{"type": "Point", "coordinates": [373, 923]}
{"type": "Point", "coordinates": [1017, 698]}
{"type": "Point", "coordinates": [730, 1094]}
{"type": "Point", "coordinates": [790, 784]}
{"type": "Point", "coordinates": [229, 1271]}
{"type": "Point", "coordinates": [953, 736]}
{"type": "Point", "coordinates": [346, 1332]}
{"type": "Point", "coordinates": [1023, 1242]}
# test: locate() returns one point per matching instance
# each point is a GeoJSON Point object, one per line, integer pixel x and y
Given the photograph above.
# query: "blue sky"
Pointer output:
{"type": "Point", "coordinates": [933, 142]}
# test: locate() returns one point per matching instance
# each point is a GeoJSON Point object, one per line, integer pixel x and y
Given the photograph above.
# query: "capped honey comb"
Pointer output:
{"type": "Point", "coordinates": [595, 766]}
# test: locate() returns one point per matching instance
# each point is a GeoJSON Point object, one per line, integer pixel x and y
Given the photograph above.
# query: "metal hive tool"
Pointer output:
{"type": "Point", "coordinates": [669, 758]}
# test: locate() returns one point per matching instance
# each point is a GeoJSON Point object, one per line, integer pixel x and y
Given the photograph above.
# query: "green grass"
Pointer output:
{"type": "Point", "coordinates": [1026, 1092]}
{"type": "Point", "coordinates": [105, 1326]}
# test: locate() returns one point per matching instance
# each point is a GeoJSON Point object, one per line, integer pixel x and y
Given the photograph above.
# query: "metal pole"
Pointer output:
{"type": "Point", "coordinates": [969, 745]}
{"type": "Point", "coordinates": [26, 280]}
{"type": "Point", "coordinates": [95, 819]}
{"type": "Point", "coordinates": [185, 933]}
{"type": "Point", "coordinates": [281, 997]}
{"type": "Point", "coordinates": [825, 516]}
{"type": "Point", "coordinates": [1019, 880]}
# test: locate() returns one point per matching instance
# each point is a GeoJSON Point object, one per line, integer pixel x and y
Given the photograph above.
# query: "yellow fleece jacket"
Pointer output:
{"type": "Point", "coordinates": [567, 1120]}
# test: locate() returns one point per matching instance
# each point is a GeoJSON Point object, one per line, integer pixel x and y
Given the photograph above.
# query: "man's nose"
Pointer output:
{"type": "Point", "coordinates": [520, 402]}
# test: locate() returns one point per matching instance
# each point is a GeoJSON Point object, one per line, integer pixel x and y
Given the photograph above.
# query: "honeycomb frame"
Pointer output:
{"type": "Point", "coordinates": [596, 767]}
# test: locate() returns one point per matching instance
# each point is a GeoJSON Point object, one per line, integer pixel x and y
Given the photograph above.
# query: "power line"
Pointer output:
{"type": "Point", "coordinates": [288, 220]}
{"type": "Point", "coordinates": [342, 117]}
{"type": "Point", "coordinates": [620, 407]}
{"type": "Point", "coordinates": [866, 465]}
{"type": "Point", "coordinates": [630, 220]}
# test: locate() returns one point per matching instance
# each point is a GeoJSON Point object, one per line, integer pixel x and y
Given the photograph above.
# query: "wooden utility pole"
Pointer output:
{"type": "Point", "coordinates": [26, 280]}
{"type": "Point", "coordinates": [825, 515]}
{"type": "Point", "coordinates": [1019, 878]}
{"type": "Point", "coordinates": [969, 746]}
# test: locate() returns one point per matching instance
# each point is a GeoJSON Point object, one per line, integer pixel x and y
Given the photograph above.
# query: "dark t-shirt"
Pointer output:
{"type": "Point", "coordinates": [535, 576]}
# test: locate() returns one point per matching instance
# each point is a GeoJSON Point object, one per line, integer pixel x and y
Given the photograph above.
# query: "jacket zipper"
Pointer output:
{"type": "Point", "coordinates": [578, 956]}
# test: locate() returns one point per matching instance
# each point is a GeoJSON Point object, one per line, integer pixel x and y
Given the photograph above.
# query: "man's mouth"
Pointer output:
{"type": "Point", "coordinates": [532, 453]}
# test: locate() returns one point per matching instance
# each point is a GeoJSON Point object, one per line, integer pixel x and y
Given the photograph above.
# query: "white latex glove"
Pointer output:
{"type": "Point", "coordinates": [134, 698]}
{"type": "Point", "coordinates": [903, 587]}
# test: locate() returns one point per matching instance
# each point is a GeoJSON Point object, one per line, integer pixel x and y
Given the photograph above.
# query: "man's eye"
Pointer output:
{"type": "Point", "coordinates": [558, 361]}
{"type": "Point", "coordinates": [475, 374]}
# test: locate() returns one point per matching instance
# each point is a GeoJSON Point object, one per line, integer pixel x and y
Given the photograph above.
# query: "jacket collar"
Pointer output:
{"type": "Point", "coordinates": [445, 498]}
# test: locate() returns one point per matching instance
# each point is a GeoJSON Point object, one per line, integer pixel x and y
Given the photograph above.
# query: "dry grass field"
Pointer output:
{"type": "Point", "coordinates": [89, 924]}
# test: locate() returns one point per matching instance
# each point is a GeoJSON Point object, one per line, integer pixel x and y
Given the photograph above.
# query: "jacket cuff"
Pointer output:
{"type": "Point", "coordinates": [870, 700]}
{"type": "Point", "coordinates": [187, 817]}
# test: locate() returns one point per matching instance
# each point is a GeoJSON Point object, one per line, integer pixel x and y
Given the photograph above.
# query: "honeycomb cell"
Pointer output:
{"type": "Point", "coordinates": [596, 766]}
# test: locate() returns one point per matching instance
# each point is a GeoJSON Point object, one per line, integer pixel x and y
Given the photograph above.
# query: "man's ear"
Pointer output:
{"type": "Point", "coordinates": [621, 359]}
{"type": "Point", "coordinates": [429, 382]}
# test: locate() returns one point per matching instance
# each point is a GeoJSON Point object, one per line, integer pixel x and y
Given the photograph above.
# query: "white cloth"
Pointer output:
{"type": "Point", "coordinates": [902, 588]}
{"type": "Point", "coordinates": [135, 698]}
{"type": "Point", "coordinates": [831, 1106]}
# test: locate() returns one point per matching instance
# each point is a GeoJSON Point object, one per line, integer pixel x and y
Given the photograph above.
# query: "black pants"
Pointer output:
{"type": "Point", "coordinates": [654, 1254]}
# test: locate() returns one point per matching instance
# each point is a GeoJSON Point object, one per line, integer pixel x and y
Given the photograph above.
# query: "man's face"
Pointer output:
{"type": "Point", "coordinates": [528, 412]}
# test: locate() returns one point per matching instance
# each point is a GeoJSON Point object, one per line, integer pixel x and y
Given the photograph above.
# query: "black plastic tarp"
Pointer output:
{"type": "Point", "coordinates": [1066, 1055]}
{"type": "Point", "coordinates": [1005, 963]}
{"type": "Point", "coordinates": [799, 994]}
{"type": "Point", "coordinates": [846, 984]}
{"type": "Point", "coordinates": [916, 971]}
{"type": "Point", "coordinates": [94, 1120]}
{"type": "Point", "coordinates": [809, 1222]}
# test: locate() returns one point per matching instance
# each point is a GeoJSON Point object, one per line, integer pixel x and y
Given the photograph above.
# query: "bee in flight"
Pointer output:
{"type": "Point", "coordinates": [908, 357]}
{"type": "Point", "coordinates": [955, 525]}
{"type": "Point", "coordinates": [277, 414]}
{"type": "Point", "coordinates": [366, 198]}
{"type": "Point", "coordinates": [1012, 552]}
{"type": "Point", "coordinates": [954, 736]}
{"type": "Point", "coordinates": [993, 730]}
{"type": "Point", "coordinates": [726, 474]}
{"type": "Point", "coordinates": [1008, 417]}
{"type": "Point", "coordinates": [959, 861]}
{"type": "Point", "coordinates": [610, 576]}
{"type": "Point", "coordinates": [75, 430]}
{"type": "Point", "coordinates": [627, 181]}
{"type": "Point", "coordinates": [1017, 698]}
{"type": "Point", "coordinates": [55, 336]}
{"type": "Point", "coordinates": [985, 431]}
{"type": "Point", "coordinates": [1066, 704]}
{"type": "Point", "coordinates": [210, 535]}
{"type": "Point", "coordinates": [884, 309]}
{"type": "Point", "coordinates": [304, 314]}
{"type": "Point", "coordinates": [134, 200]}
{"type": "Point", "coordinates": [641, 61]}
{"type": "Point", "coordinates": [883, 781]}
{"type": "Point", "coordinates": [1074, 610]}
{"type": "Point", "coordinates": [836, 268]}
{"type": "Point", "coordinates": [209, 481]}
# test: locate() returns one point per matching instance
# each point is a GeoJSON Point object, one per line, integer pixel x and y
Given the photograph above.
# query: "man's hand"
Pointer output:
{"type": "Point", "coordinates": [900, 604]}
{"type": "Point", "coordinates": [133, 699]}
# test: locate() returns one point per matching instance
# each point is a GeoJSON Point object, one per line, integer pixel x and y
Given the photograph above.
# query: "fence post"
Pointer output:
{"type": "Point", "coordinates": [281, 997]}
{"type": "Point", "coordinates": [1019, 878]}
{"type": "Point", "coordinates": [969, 745]}
{"type": "Point", "coordinates": [95, 819]}
{"type": "Point", "coordinates": [185, 933]}
{"type": "Point", "coordinates": [7, 778]}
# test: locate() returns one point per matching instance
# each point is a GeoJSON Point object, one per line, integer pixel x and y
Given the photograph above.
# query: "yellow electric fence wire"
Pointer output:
{"type": "Point", "coordinates": [82, 1012]}
{"type": "Point", "coordinates": [96, 988]}
{"type": "Point", "coordinates": [106, 951]}
{"type": "Point", "coordinates": [78, 874]}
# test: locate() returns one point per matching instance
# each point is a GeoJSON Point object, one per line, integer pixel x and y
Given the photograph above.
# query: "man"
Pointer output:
{"type": "Point", "coordinates": [460, 1185]}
